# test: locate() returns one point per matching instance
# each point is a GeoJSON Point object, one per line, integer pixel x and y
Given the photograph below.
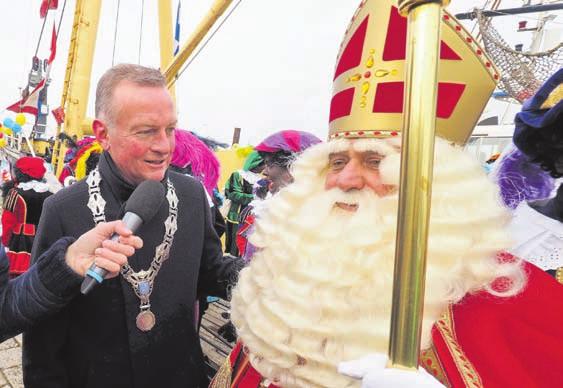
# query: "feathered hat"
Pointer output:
{"type": "Point", "coordinates": [519, 179]}
{"type": "Point", "coordinates": [285, 145]}
{"type": "Point", "coordinates": [193, 152]}
{"type": "Point", "coordinates": [32, 166]}
{"type": "Point", "coordinates": [538, 129]}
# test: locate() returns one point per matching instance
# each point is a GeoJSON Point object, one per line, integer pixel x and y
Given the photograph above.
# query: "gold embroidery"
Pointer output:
{"type": "Point", "coordinates": [559, 275]}
{"type": "Point", "coordinates": [554, 97]}
{"type": "Point", "coordinates": [430, 361]}
{"type": "Point", "coordinates": [223, 377]}
{"type": "Point", "coordinates": [11, 200]}
{"type": "Point", "coordinates": [466, 369]}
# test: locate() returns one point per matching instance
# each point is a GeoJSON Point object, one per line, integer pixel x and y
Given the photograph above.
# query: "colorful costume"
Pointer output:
{"type": "Point", "coordinates": [279, 149]}
{"type": "Point", "coordinates": [190, 152]}
{"type": "Point", "coordinates": [319, 290]}
{"type": "Point", "coordinates": [482, 341]}
{"type": "Point", "coordinates": [537, 227]}
{"type": "Point", "coordinates": [247, 218]}
{"type": "Point", "coordinates": [82, 160]}
{"type": "Point", "coordinates": [22, 208]}
{"type": "Point", "coordinates": [238, 190]}
{"type": "Point", "coordinates": [520, 179]}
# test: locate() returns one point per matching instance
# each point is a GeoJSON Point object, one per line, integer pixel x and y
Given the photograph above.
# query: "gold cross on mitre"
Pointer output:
{"type": "Point", "coordinates": [369, 77]}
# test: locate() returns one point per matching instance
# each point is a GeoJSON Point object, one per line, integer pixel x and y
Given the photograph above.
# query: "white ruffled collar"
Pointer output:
{"type": "Point", "coordinates": [38, 186]}
{"type": "Point", "coordinates": [538, 238]}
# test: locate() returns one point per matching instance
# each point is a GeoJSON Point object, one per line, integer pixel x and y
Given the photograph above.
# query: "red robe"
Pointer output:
{"type": "Point", "coordinates": [20, 216]}
{"type": "Point", "coordinates": [482, 341]}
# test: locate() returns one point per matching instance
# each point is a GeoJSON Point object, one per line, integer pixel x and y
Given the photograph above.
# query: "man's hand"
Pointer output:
{"type": "Point", "coordinates": [95, 246]}
{"type": "Point", "coordinates": [373, 372]}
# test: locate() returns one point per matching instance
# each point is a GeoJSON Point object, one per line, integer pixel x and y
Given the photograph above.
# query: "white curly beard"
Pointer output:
{"type": "Point", "coordinates": [319, 290]}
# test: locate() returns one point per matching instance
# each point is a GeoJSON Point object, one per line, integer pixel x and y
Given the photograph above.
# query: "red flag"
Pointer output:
{"type": "Point", "coordinates": [53, 45]}
{"type": "Point", "coordinates": [30, 104]}
{"type": "Point", "coordinates": [46, 5]}
{"type": "Point", "coordinates": [59, 115]}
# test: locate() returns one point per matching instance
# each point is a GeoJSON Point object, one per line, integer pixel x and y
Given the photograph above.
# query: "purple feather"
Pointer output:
{"type": "Point", "coordinates": [521, 180]}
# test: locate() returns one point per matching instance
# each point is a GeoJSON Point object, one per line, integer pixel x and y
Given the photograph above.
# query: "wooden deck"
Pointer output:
{"type": "Point", "coordinates": [215, 347]}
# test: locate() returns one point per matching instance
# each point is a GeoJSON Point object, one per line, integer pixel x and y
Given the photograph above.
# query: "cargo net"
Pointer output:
{"type": "Point", "coordinates": [521, 73]}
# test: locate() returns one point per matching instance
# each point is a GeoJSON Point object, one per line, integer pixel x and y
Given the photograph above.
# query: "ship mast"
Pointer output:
{"type": "Point", "coordinates": [165, 36]}
{"type": "Point", "coordinates": [77, 78]}
{"type": "Point", "coordinates": [81, 55]}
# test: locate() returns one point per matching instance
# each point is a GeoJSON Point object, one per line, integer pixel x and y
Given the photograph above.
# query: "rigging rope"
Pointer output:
{"type": "Point", "coordinates": [42, 28]}
{"type": "Point", "coordinates": [141, 31]}
{"type": "Point", "coordinates": [494, 7]}
{"type": "Point", "coordinates": [521, 73]}
{"type": "Point", "coordinates": [206, 42]}
{"type": "Point", "coordinates": [115, 32]}
{"type": "Point", "coordinates": [476, 24]}
{"type": "Point", "coordinates": [61, 19]}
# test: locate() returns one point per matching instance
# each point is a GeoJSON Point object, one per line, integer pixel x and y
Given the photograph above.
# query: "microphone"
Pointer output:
{"type": "Point", "coordinates": [141, 207]}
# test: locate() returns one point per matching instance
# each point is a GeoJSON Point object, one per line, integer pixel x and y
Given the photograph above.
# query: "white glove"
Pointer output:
{"type": "Point", "coordinates": [374, 374]}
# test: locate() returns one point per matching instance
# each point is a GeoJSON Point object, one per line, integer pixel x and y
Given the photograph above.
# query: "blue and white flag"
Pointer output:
{"type": "Point", "coordinates": [177, 31]}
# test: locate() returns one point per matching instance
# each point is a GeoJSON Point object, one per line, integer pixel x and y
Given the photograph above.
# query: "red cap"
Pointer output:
{"type": "Point", "coordinates": [31, 166]}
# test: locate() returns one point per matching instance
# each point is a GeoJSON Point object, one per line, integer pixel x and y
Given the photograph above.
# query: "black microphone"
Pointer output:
{"type": "Point", "coordinates": [141, 207]}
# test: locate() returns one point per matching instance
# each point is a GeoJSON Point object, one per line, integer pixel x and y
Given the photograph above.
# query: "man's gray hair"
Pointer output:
{"type": "Point", "coordinates": [137, 74]}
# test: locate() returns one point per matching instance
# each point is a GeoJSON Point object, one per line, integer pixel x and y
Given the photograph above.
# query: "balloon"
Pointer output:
{"type": "Point", "coordinates": [16, 128]}
{"type": "Point", "coordinates": [8, 122]}
{"type": "Point", "coordinates": [2, 143]}
{"type": "Point", "coordinates": [20, 119]}
{"type": "Point", "coordinates": [7, 131]}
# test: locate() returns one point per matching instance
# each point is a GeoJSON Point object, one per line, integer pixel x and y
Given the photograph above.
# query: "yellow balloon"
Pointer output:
{"type": "Point", "coordinates": [2, 143]}
{"type": "Point", "coordinates": [7, 131]}
{"type": "Point", "coordinates": [20, 119]}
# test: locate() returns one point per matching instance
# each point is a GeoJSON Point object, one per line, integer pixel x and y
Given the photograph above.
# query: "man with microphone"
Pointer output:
{"type": "Point", "coordinates": [55, 278]}
{"type": "Point", "coordinates": [138, 329]}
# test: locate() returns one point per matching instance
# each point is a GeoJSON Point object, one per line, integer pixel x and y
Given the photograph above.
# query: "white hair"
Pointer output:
{"type": "Point", "coordinates": [318, 291]}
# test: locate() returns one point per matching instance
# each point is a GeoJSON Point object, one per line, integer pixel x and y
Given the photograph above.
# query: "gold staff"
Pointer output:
{"type": "Point", "coordinates": [419, 122]}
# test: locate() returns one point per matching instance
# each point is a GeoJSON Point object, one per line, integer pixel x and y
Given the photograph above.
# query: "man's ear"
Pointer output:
{"type": "Point", "coordinates": [101, 131]}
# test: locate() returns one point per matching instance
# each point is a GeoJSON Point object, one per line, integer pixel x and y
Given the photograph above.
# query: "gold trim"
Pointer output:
{"type": "Point", "coordinates": [379, 134]}
{"type": "Point", "coordinates": [11, 199]}
{"type": "Point", "coordinates": [20, 229]}
{"type": "Point", "coordinates": [470, 42]}
{"type": "Point", "coordinates": [554, 97]}
{"type": "Point", "coordinates": [466, 369]}
{"type": "Point", "coordinates": [430, 361]}
{"type": "Point", "coordinates": [405, 6]}
{"type": "Point", "coordinates": [223, 377]}
{"type": "Point", "coordinates": [559, 275]}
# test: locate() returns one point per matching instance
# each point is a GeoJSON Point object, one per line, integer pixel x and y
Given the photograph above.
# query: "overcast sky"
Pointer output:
{"type": "Point", "coordinates": [268, 68]}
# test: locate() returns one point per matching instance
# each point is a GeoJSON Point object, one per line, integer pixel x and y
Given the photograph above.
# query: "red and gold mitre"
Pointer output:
{"type": "Point", "coordinates": [369, 77]}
